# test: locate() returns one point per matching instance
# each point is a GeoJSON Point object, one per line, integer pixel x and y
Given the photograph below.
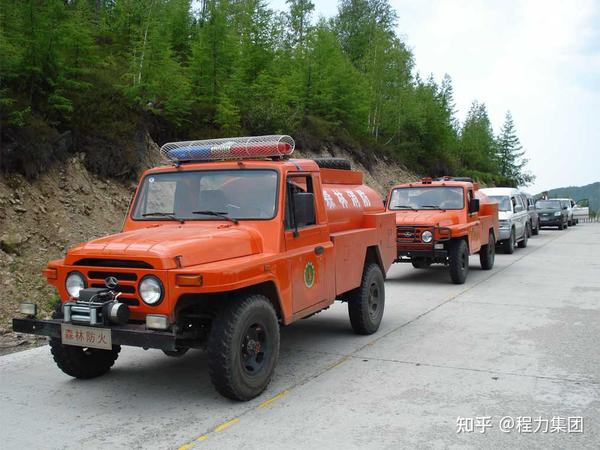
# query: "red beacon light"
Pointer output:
{"type": "Point", "coordinates": [253, 147]}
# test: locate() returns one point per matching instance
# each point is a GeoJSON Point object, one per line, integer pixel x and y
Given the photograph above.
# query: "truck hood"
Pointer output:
{"type": "Point", "coordinates": [428, 217]}
{"type": "Point", "coordinates": [505, 215]}
{"type": "Point", "coordinates": [159, 246]}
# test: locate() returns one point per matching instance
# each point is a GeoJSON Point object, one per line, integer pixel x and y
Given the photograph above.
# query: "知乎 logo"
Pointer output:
{"type": "Point", "coordinates": [309, 274]}
{"type": "Point", "coordinates": [111, 282]}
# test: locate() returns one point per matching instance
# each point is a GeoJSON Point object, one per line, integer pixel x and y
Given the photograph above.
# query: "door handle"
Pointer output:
{"type": "Point", "coordinates": [319, 250]}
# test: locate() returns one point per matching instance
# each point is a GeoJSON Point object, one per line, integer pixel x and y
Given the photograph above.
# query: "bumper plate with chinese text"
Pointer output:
{"type": "Point", "coordinates": [91, 337]}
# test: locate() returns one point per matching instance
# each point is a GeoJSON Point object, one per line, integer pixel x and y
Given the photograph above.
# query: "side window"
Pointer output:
{"type": "Point", "coordinates": [298, 184]}
{"type": "Point", "coordinates": [513, 201]}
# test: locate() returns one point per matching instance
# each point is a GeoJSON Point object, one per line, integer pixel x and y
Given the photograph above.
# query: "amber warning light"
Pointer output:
{"type": "Point", "coordinates": [229, 148]}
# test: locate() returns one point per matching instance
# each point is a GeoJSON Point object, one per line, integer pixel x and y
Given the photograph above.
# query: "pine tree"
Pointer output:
{"type": "Point", "coordinates": [511, 162]}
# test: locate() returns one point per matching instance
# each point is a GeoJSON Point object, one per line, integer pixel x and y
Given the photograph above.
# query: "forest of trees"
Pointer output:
{"type": "Point", "coordinates": [93, 75]}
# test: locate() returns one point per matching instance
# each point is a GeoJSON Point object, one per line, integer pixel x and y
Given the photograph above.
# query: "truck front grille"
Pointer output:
{"type": "Point", "coordinates": [409, 235]}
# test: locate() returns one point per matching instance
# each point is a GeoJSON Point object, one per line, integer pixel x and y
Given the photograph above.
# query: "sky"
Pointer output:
{"type": "Point", "coordinates": [538, 59]}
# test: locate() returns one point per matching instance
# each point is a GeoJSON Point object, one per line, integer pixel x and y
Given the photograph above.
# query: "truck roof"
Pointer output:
{"type": "Point", "coordinates": [307, 165]}
{"type": "Point", "coordinates": [508, 191]}
{"type": "Point", "coordinates": [434, 183]}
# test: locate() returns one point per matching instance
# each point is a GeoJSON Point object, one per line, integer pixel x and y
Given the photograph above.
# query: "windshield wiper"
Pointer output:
{"type": "Point", "coordinates": [430, 206]}
{"type": "Point", "coordinates": [221, 214]}
{"type": "Point", "coordinates": [170, 215]}
{"type": "Point", "coordinates": [403, 207]}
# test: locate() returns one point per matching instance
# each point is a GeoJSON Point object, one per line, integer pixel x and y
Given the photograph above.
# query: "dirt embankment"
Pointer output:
{"type": "Point", "coordinates": [41, 219]}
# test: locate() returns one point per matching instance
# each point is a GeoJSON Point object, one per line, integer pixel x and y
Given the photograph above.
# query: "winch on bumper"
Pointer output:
{"type": "Point", "coordinates": [98, 320]}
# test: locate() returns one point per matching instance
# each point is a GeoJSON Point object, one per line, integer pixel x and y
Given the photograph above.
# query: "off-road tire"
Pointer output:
{"type": "Point", "coordinates": [508, 245]}
{"type": "Point", "coordinates": [487, 253]}
{"type": "Point", "coordinates": [458, 259]}
{"type": "Point", "coordinates": [333, 163]}
{"type": "Point", "coordinates": [229, 333]}
{"type": "Point", "coordinates": [523, 243]}
{"type": "Point", "coordinates": [176, 353]}
{"type": "Point", "coordinates": [420, 263]}
{"type": "Point", "coordinates": [367, 302]}
{"type": "Point", "coordinates": [81, 362]}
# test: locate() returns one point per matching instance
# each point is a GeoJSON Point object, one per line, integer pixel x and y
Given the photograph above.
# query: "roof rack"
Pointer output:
{"type": "Point", "coordinates": [449, 178]}
{"type": "Point", "coordinates": [251, 147]}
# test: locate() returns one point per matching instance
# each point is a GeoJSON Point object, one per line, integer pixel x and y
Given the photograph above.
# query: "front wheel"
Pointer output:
{"type": "Point", "coordinates": [243, 347]}
{"type": "Point", "coordinates": [523, 243]}
{"type": "Point", "coordinates": [487, 253]}
{"type": "Point", "coordinates": [366, 302]}
{"type": "Point", "coordinates": [82, 362]}
{"type": "Point", "coordinates": [459, 261]}
{"type": "Point", "coordinates": [508, 245]}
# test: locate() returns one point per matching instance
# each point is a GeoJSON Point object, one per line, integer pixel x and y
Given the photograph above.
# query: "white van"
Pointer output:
{"type": "Point", "coordinates": [513, 215]}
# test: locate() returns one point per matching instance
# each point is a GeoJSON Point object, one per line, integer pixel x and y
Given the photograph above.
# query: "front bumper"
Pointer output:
{"type": "Point", "coordinates": [504, 233]}
{"type": "Point", "coordinates": [130, 334]}
{"type": "Point", "coordinates": [548, 222]}
{"type": "Point", "coordinates": [428, 253]}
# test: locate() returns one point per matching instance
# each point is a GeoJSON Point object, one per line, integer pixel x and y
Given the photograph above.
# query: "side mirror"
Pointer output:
{"type": "Point", "coordinates": [304, 209]}
{"type": "Point", "coordinates": [473, 205]}
{"type": "Point", "coordinates": [518, 208]}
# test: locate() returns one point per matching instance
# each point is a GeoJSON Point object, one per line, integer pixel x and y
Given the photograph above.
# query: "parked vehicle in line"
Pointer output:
{"type": "Point", "coordinates": [217, 250]}
{"type": "Point", "coordinates": [534, 219]}
{"type": "Point", "coordinates": [444, 222]}
{"type": "Point", "coordinates": [514, 217]}
{"type": "Point", "coordinates": [570, 204]}
{"type": "Point", "coordinates": [553, 213]}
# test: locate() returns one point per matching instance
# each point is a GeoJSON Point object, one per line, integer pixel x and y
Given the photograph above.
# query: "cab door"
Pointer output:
{"type": "Point", "coordinates": [521, 216]}
{"type": "Point", "coordinates": [305, 241]}
{"type": "Point", "coordinates": [475, 225]}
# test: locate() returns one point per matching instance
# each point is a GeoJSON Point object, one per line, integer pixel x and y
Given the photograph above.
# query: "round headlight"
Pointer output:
{"type": "Point", "coordinates": [427, 237]}
{"type": "Point", "coordinates": [151, 290]}
{"type": "Point", "coordinates": [74, 283]}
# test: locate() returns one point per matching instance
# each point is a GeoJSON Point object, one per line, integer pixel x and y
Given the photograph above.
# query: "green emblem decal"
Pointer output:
{"type": "Point", "coordinates": [309, 274]}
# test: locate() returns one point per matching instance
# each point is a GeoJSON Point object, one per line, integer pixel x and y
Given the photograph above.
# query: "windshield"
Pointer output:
{"type": "Point", "coordinates": [435, 197]}
{"type": "Point", "coordinates": [208, 195]}
{"type": "Point", "coordinates": [503, 202]}
{"type": "Point", "coordinates": [547, 204]}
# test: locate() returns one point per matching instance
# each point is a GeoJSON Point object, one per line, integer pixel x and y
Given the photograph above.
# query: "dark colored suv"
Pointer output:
{"type": "Point", "coordinates": [552, 213]}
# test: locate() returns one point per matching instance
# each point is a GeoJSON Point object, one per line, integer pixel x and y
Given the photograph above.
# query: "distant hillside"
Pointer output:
{"type": "Point", "coordinates": [589, 191]}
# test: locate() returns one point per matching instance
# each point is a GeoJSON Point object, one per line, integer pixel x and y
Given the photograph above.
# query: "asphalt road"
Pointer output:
{"type": "Point", "coordinates": [521, 341]}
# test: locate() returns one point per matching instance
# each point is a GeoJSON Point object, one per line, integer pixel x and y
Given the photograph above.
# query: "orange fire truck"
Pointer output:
{"type": "Point", "coordinates": [444, 221]}
{"type": "Point", "coordinates": [218, 249]}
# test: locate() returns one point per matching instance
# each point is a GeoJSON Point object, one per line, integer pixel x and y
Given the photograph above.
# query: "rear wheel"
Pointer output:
{"type": "Point", "coordinates": [81, 362]}
{"type": "Point", "coordinates": [508, 245]}
{"type": "Point", "coordinates": [366, 303]}
{"type": "Point", "coordinates": [178, 353]}
{"type": "Point", "coordinates": [243, 347]}
{"type": "Point", "coordinates": [459, 261]}
{"type": "Point", "coordinates": [487, 254]}
{"type": "Point", "coordinates": [333, 163]}
{"type": "Point", "coordinates": [420, 263]}
{"type": "Point", "coordinates": [536, 230]}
